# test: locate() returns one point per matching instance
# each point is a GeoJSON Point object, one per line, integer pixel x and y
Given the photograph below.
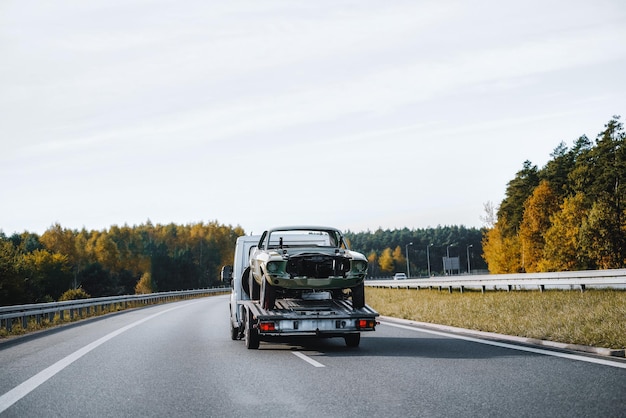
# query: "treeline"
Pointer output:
{"type": "Point", "coordinates": [121, 260]}
{"type": "Point", "coordinates": [568, 215]}
{"type": "Point", "coordinates": [387, 250]}
{"type": "Point", "coordinates": [66, 263]}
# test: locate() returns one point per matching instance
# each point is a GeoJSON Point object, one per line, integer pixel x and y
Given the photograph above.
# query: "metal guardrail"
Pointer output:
{"type": "Point", "coordinates": [557, 280]}
{"type": "Point", "coordinates": [38, 311]}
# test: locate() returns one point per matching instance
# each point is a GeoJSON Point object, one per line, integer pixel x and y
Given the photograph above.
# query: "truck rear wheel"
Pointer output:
{"type": "Point", "coordinates": [251, 335]}
{"type": "Point", "coordinates": [234, 331]}
{"type": "Point", "coordinates": [352, 340]}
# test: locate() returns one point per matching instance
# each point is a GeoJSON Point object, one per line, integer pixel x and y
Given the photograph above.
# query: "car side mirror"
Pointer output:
{"type": "Point", "coordinates": [226, 275]}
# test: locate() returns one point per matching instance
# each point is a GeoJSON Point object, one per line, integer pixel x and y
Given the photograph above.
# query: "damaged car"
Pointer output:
{"type": "Point", "coordinates": [296, 261]}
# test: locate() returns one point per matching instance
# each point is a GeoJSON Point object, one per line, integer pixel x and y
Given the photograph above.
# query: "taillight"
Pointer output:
{"type": "Point", "coordinates": [267, 326]}
{"type": "Point", "coordinates": [365, 323]}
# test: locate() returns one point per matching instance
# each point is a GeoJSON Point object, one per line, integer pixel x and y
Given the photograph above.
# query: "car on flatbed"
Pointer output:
{"type": "Point", "coordinates": [289, 261]}
{"type": "Point", "coordinates": [297, 312]}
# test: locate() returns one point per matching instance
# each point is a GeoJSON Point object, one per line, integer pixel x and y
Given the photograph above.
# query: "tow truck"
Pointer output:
{"type": "Point", "coordinates": [322, 314]}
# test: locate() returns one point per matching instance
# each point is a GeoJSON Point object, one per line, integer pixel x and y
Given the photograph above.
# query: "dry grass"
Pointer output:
{"type": "Point", "coordinates": [595, 317]}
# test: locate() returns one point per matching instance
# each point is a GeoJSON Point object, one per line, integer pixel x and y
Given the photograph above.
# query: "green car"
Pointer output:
{"type": "Point", "coordinates": [293, 261]}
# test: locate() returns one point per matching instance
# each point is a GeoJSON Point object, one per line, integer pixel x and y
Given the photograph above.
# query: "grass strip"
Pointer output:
{"type": "Point", "coordinates": [595, 318]}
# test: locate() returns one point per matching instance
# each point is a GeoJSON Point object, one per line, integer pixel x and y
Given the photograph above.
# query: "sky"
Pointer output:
{"type": "Point", "coordinates": [353, 114]}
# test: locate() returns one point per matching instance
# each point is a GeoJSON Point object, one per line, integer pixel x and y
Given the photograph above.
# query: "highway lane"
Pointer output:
{"type": "Point", "coordinates": [178, 360]}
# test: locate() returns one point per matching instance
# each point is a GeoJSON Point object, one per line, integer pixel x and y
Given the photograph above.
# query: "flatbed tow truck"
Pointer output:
{"type": "Point", "coordinates": [316, 313]}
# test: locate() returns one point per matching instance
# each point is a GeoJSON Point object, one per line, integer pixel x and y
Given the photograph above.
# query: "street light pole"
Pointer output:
{"type": "Point", "coordinates": [469, 268]}
{"type": "Point", "coordinates": [448, 256]}
{"type": "Point", "coordinates": [408, 268]}
{"type": "Point", "coordinates": [447, 260]}
{"type": "Point", "coordinates": [428, 257]}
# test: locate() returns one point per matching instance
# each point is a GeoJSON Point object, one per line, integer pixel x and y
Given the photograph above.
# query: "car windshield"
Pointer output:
{"type": "Point", "coordinates": [292, 238]}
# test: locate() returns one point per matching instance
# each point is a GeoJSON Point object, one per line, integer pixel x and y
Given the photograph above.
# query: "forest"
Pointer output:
{"type": "Point", "coordinates": [67, 264]}
{"type": "Point", "coordinates": [387, 250]}
{"type": "Point", "coordinates": [569, 215]}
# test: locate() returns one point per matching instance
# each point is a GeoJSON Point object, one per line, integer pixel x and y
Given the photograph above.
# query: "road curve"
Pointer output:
{"type": "Point", "coordinates": [178, 360]}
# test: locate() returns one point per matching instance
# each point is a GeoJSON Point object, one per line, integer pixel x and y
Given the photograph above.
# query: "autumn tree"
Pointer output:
{"type": "Point", "coordinates": [48, 275]}
{"type": "Point", "coordinates": [385, 261]}
{"type": "Point", "coordinates": [500, 251]}
{"type": "Point", "coordinates": [535, 223]}
{"type": "Point", "coordinates": [562, 250]}
{"type": "Point", "coordinates": [399, 261]}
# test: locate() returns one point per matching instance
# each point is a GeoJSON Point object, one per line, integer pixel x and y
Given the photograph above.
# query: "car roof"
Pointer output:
{"type": "Point", "coordinates": [304, 227]}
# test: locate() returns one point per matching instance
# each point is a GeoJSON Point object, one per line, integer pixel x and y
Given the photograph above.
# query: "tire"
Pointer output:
{"type": "Point", "coordinates": [251, 335]}
{"type": "Point", "coordinates": [352, 340]}
{"type": "Point", "coordinates": [268, 296]}
{"type": "Point", "coordinates": [255, 288]}
{"type": "Point", "coordinates": [234, 332]}
{"type": "Point", "coordinates": [245, 281]}
{"type": "Point", "coordinates": [358, 296]}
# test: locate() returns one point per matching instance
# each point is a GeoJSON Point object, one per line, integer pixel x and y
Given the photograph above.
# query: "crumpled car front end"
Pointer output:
{"type": "Point", "coordinates": [317, 270]}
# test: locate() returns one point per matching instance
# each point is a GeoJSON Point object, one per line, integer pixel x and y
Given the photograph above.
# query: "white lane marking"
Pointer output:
{"type": "Point", "coordinates": [306, 358]}
{"type": "Point", "coordinates": [513, 346]}
{"type": "Point", "coordinates": [34, 382]}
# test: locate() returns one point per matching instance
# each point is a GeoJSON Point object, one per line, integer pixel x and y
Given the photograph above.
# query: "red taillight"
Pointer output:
{"type": "Point", "coordinates": [267, 326]}
{"type": "Point", "coordinates": [365, 323]}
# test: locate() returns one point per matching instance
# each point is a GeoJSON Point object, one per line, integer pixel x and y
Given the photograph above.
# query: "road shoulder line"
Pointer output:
{"type": "Point", "coordinates": [497, 340]}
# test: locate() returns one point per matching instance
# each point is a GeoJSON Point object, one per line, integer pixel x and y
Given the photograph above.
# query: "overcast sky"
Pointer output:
{"type": "Point", "coordinates": [353, 114]}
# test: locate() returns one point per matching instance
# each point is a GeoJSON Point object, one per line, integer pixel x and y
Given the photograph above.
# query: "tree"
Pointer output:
{"type": "Point", "coordinates": [536, 221]}
{"type": "Point", "coordinates": [489, 217]}
{"type": "Point", "coordinates": [602, 237]}
{"type": "Point", "coordinates": [385, 261]}
{"type": "Point", "coordinates": [501, 252]}
{"type": "Point", "coordinates": [144, 285]}
{"type": "Point", "coordinates": [556, 171]}
{"type": "Point", "coordinates": [399, 261]}
{"type": "Point", "coordinates": [48, 274]}
{"type": "Point", "coordinates": [517, 191]}
{"type": "Point", "coordinates": [372, 257]}
{"type": "Point", "coordinates": [13, 287]}
{"type": "Point", "coordinates": [562, 250]}
{"type": "Point", "coordinates": [579, 178]}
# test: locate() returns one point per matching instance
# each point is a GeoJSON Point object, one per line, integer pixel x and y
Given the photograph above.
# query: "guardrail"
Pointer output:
{"type": "Point", "coordinates": [558, 280]}
{"type": "Point", "coordinates": [38, 311]}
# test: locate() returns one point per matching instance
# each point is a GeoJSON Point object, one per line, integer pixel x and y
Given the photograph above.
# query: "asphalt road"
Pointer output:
{"type": "Point", "coordinates": [178, 360]}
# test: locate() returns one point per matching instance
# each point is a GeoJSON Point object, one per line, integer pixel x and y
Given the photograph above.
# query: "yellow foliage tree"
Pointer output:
{"type": "Point", "coordinates": [398, 259]}
{"type": "Point", "coordinates": [501, 253]}
{"type": "Point", "coordinates": [562, 250]}
{"type": "Point", "coordinates": [538, 209]}
{"type": "Point", "coordinates": [144, 285]}
{"type": "Point", "coordinates": [385, 261]}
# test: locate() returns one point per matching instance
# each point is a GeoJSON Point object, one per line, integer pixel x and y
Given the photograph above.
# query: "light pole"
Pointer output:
{"type": "Point", "coordinates": [449, 271]}
{"type": "Point", "coordinates": [428, 257]}
{"type": "Point", "coordinates": [406, 251]}
{"type": "Point", "coordinates": [469, 268]}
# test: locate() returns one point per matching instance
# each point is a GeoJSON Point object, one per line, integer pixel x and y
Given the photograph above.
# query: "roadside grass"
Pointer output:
{"type": "Point", "coordinates": [594, 318]}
